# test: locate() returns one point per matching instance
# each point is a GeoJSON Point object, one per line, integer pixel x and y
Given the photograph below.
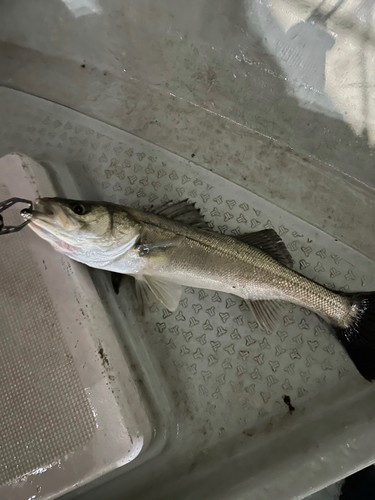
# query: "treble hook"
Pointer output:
{"type": "Point", "coordinates": [4, 205]}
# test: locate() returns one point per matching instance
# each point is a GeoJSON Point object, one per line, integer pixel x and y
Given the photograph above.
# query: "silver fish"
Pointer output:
{"type": "Point", "coordinates": [172, 246]}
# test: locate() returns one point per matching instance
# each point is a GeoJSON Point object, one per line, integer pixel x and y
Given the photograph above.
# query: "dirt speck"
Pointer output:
{"type": "Point", "coordinates": [248, 432]}
{"type": "Point", "coordinates": [288, 402]}
{"type": "Point", "coordinates": [103, 356]}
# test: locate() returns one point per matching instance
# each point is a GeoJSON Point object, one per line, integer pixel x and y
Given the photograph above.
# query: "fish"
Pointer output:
{"type": "Point", "coordinates": [171, 246]}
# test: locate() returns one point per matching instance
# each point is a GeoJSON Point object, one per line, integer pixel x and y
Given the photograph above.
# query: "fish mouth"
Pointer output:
{"type": "Point", "coordinates": [43, 207]}
{"type": "Point", "coordinates": [50, 222]}
{"type": "Point", "coordinates": [47, 213]}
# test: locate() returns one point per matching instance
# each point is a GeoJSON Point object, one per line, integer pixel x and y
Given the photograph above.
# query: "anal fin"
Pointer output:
{"type": "Point", "coordinates": [267, 312]}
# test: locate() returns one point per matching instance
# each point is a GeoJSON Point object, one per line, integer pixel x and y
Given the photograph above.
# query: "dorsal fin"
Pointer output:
{"type": "Point", "coordinates": [182, 211]}
{"type": "Point", "coordinates": [270, 243]}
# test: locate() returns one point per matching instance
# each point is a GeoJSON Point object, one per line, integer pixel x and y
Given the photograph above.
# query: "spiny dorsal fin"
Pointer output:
{"type": "Point", "coordinates": [267, 312]}
{"type": "Point", "coordinates": [270, 243]}
{"type": "Point", "coordinates": [182, 211]}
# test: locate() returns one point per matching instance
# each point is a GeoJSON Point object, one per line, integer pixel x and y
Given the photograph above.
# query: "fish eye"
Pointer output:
{"type": "Point", "coordinates": [78, 209]}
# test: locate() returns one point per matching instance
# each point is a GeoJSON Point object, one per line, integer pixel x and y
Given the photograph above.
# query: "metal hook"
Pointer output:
{"type": "Point", "coordinates": [4, 205]}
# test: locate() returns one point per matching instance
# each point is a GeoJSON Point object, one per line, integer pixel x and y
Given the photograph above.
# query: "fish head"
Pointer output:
{"type": "Point", "coordinates": [85, 231]}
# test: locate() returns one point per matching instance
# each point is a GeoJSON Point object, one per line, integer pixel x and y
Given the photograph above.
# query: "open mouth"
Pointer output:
{"type": "Point", "coordinates": [44, 205]}
{"type": "Point", "coordinates": [43, 218]}
{"type": "Point", "coordinates": [46, 223]}
{"type": "Point", "coordinates": [42, 208]}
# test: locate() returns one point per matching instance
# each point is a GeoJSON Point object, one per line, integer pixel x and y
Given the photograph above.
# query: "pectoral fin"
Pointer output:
{"type": "Point", "coordinates": [158, 248]}
{"type": "Point", "coordinates": [166, 292]}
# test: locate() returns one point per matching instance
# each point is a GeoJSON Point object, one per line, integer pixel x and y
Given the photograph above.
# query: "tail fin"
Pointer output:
{"type": "Point", "coordinates": [359, 338]}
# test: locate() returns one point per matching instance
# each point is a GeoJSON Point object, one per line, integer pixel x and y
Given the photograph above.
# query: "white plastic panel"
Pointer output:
{"type": "Point", "coordinates": [231, 433]}
{"type": "Point", "coordinates": [70, 410]}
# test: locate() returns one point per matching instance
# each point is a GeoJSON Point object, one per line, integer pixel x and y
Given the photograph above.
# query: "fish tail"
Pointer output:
{"type": "Point", "coordinates": [359, 338]}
